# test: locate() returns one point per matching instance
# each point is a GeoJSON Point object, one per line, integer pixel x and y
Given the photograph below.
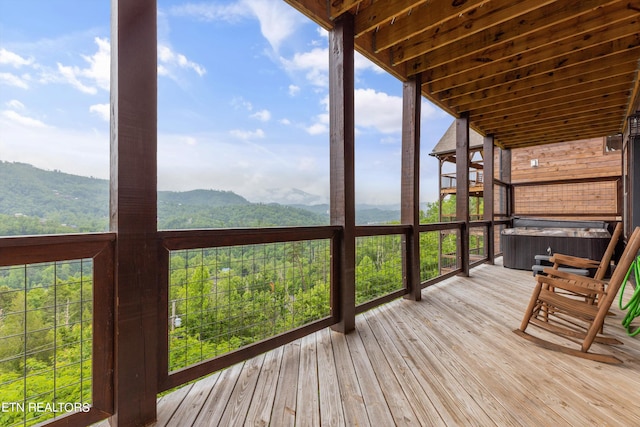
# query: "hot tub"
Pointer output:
{"type": "Point", "coordinates": [530, 237]}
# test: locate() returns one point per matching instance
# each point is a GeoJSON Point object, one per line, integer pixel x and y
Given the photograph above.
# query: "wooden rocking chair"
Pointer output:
{"type": "Point", "coordinates": [577, 319]}
{"type": "Point", "coordinates": [602, 266]}
{"type": "Point", "coordinates": [562, 260]}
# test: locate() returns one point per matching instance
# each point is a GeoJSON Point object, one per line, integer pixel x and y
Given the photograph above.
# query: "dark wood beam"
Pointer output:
{"type": "Point", "coordinates": [462, 189]}
{"type": "Point", "coordinates": [133, 207]}
{"type": "Point", "coordinates": [342, 169]}
{"type": "Point", "coordinates": [488, 194]}
{"type": "Point", "coordinates": [410, 183]}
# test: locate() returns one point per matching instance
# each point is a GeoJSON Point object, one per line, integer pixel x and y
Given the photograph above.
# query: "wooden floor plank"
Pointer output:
{"type": "Point", "coordinates": [240, 399]}
{"type": "Point", "coordinates": [308, 401]}
{"type": "Point", "coordinates": [374, 399]}
{"type": "Point", "coordinates": [450, 359]}
{"type": "Point", "coordinates": [331, 413]}
{"type": "Point", "coordinates": [425, 404]}
{"type": "Point", "coordinates": [395, 396]}
{"type": "Point", "coordinates": [193, 403]}
{"type": "Point", "coordinates": [217, 401]}
{"type": "Point", "coordinates": [446, 383]}
{"type": "Point", "coordinates": [259, 413]}
{"type": "Point", "coordinates": [169, 404]}
{"type": "Point", "coordinates": [355, 412]}
{"type": "Point", "coordinates": [284, 405]}
{"type": "Point", "coordinates": [587, 398]}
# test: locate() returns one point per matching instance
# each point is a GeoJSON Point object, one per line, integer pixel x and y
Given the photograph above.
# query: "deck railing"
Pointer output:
{"type": "Point", "coordinates": [225, 296]}
{"type": "Point", "coordinates": [56, 329]}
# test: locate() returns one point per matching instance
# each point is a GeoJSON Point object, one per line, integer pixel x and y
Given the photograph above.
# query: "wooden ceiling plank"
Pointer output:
{"type": "Point", "coordinates": [575, 136]}
{"type": "Point", "coordinates": [559, 82]}
{"type": "Point", "coordinates": [381, 12]}
{"type": "Point", "coordinates": [605, 113]}
{"type": "Point", "coordinates": [609, 120]}
{"type": "Point", "coordinates": [490, 125]}
{"type": "Point", "coordinates": [536, 43]}
{"type": "Point", "coordinates": [531, 103]}
{"type": "Point", "coordinates": [338, 7]}
{"type": "Point", "coordinates": [543, 26]}
{"type": "Point", "coordinates": [422, 19]}
{"type": "Point", "coordinates": [532, 64]}
{"type": "Point", "coordinates": [464, 26]}
{"type": "Point", "coordinates": [559, 70]}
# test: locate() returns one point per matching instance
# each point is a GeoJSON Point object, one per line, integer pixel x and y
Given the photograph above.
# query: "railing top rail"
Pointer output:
{"type": "Point", "coordinates": [50, 248]}
{"type": "Point", "coordinates": [437, 226]}
{"type": "Point", "coordinates": [380, 230]}
{"type": "Point", "coordinates": [48, 239]}
{"type": "Point", "coordinates": [210, 238]}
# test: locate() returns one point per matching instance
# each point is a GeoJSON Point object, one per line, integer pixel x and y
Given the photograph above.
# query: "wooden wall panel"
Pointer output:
{"type": "Point", "coordinates": [566, 160]}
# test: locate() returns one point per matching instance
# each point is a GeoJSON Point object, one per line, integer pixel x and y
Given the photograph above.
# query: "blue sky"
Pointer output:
{"type": "Point", "coordinates": [242, 100]}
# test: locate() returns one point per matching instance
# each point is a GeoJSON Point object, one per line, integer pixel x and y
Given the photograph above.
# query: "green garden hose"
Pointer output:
{"type": "Point", "coordinates": [633, 306]}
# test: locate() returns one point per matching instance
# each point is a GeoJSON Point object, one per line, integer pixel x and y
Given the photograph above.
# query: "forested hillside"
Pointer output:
{"type": "Point", "coordinates": [36, 201]}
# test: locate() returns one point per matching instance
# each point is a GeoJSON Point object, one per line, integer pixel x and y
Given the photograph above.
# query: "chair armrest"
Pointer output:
{"type": "Point", "coordinates": [572, 261]}
{"type": "Point", "coordinates": [552, 272]}
{"type": "Point", "coordinates": [584, 286]}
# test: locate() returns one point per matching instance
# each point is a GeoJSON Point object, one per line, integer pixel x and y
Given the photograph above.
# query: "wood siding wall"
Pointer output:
{"type": "Point", "coordinates": [576, 162]}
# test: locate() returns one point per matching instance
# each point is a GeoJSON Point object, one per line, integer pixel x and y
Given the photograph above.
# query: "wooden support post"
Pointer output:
{"type": "Point", "coordinates": [462, 189]}
{"type": "Point", "coordinates": [505, 176]}
{"type": "Point", "coordinates": [410, 184]}
{"type": "Point", "coordinates": [488, 194]}
{"type": "Point", "coordinates": [342, 166]}
{"type": "Point", "coordinates": [133, 209]}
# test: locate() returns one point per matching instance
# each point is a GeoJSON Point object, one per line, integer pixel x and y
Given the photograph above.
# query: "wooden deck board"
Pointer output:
{"type": "Point", "coordinates": [450, 359]}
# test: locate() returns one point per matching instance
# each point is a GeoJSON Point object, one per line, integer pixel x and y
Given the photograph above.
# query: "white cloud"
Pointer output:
{"type": "Point", "coordinates": [239, 102]}
{"type": "Point", "coordinates": [13, 59]}
{"type": "Point", "coordinates": [19, 119]}
{"type": "Point", "coordinates": [246, 135]}
{"type": "Point", "coordinates": [262, 115]}
{"type": "Point", "coordinates": [168, 60]}
{"type": "Point", "coordinates": [378, 110]}
{"type": "Point", "coordinates": [71, 76]}
{"type": "Point", "coordinates": [14, 104]}
{"type": "Point", "coordinates": [189, 140]}
{"type": "Point", "coordinates": [13, 80]}
{"type": "Point", "coordinates": [360, 64]}
{"type": "Point", "coordinates": [317, 128]}
{"type": "Point", "coordinates": [278, 21]}
{"type": "Point", "coordinates": [211, 11]}
{"type": "Point", "coordinates": [91, 78]}
{"type": "Point", "coordinates": [99, 70]}
{"type": "Point", "coordinates": [294, 90]}
{"type": "Point", "coordinates": [101, 110]}
{"type": "Point", "coordinates": [314, 63]}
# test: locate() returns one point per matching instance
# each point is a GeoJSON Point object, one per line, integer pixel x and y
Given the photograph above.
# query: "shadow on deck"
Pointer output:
{"type": "Point", "coordinates": [451, 359]}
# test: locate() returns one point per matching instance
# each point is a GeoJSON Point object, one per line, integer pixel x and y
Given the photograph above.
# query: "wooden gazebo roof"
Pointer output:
{"type": "Point", "coordinates": [528, 72]}
{"type": "Point", "coordinates": [446, 146]}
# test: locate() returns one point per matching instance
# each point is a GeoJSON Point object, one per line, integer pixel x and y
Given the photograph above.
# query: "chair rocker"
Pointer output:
{"type": "Point", "coordinates": [577, 319]}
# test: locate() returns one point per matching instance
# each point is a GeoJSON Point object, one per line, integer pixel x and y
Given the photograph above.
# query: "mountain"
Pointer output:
{"type": "Point", "coordinates": [288, 196]}
{"type": "Point", "coordinates": [365, 214]}
{"type": "Point", "coordinates": [35, 201]}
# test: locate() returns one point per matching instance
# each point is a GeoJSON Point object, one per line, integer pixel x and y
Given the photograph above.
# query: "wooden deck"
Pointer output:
{"type": "Point", "coordinates": [450, 359]}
